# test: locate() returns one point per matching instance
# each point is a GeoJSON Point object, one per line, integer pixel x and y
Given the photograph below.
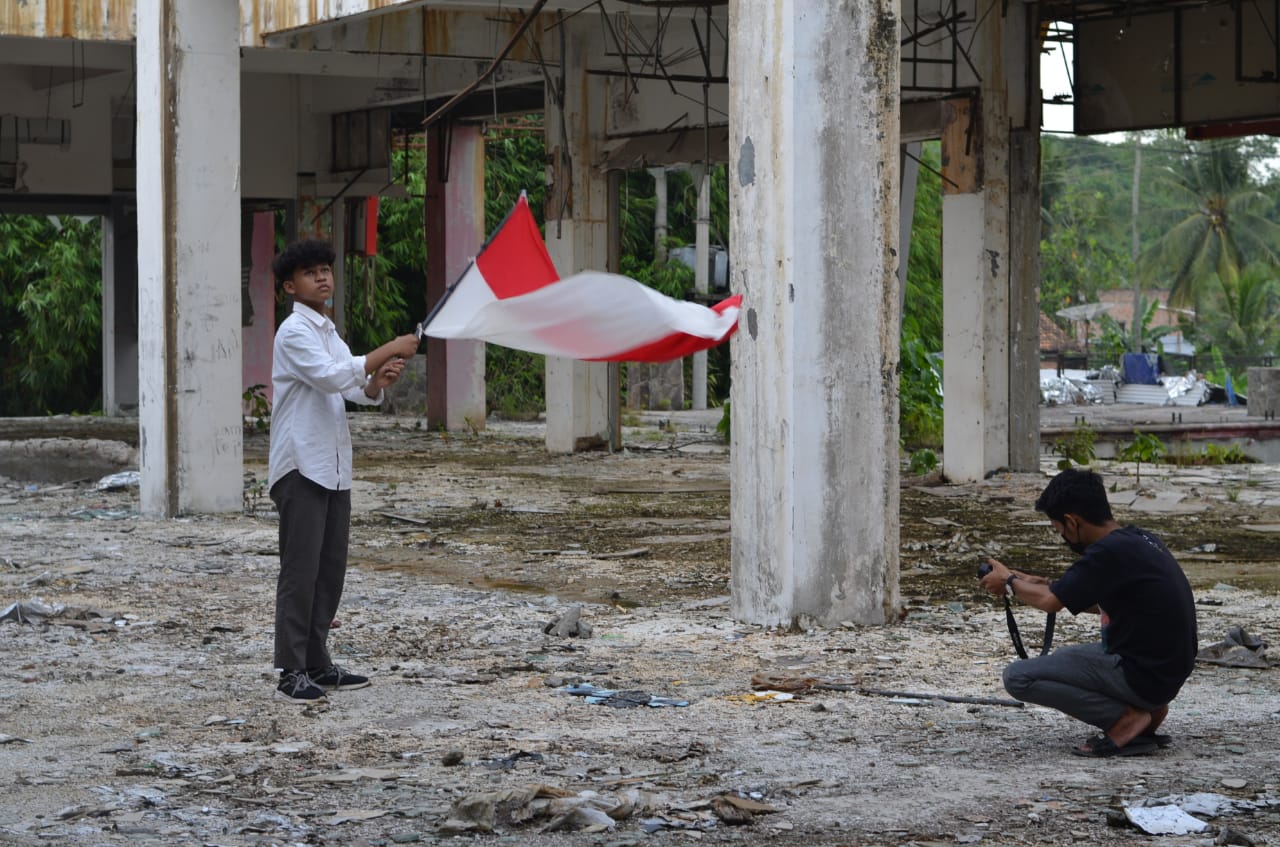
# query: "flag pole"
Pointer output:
{"type": "Point", "coordinates": [421, 329]}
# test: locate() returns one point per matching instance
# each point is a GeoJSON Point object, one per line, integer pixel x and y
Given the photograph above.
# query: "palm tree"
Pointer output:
{"type": "Point", "coordinates": [1215, 227]}
{"type": "Point", "coordinates": [1243, 322]}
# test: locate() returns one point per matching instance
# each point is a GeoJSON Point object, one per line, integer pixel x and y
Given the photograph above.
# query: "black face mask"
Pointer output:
{"type": "Point", "coordinates": [1077, 546]}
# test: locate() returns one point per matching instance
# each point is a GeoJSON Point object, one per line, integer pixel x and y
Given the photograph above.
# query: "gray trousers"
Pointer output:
{"type": "Point", "coordinates": [314, 531]}
{"type": "Point", "coordinates": [1081, 680]}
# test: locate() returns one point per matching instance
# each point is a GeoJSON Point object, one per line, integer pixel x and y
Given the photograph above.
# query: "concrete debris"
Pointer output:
{"type": "Point", "coordinates": [119, 481]}
{"type": "Point", "coordinates": [1239, 649]}
{"type": "Point", "coordinates": [553, 809]}
{"type": "Point", "coordinates": [569, 625]}
{"type": "Point", "coordinates": [1164, 820]}
{"type": "Point", "coordinates": [167, 732]}
{"type": "Point", "coordinates": [32, 611]}
{"type": "Point", "coordinates": [597, 696]}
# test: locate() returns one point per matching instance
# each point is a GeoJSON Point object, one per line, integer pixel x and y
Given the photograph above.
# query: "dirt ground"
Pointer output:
{"type": "Point", "coordinates": [142, 713]}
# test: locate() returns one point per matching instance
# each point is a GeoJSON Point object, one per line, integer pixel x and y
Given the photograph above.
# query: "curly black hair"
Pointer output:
{"type": "Point", "coordinates": [302, 254]}
{"type": "Point", "coordinates": [1078, 492]}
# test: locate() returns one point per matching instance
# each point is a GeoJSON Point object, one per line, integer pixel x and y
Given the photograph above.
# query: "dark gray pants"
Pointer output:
{"type": "Point", "coordinates": [1081, 680]}
{"type": "Point", "coordinates": [314, 530]}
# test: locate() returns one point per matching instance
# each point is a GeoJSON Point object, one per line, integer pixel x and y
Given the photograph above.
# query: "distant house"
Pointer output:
{"type": "Point", "coordinates": [1172, 343]}
{"type": "Point", "coordinates": [1121, 302]}
{"type": "Point", "coordinates": [1054, 340]}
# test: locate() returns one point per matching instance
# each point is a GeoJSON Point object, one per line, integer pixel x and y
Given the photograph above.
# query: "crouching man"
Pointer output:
{"type": "Point", "coordinates": [1122, 684]}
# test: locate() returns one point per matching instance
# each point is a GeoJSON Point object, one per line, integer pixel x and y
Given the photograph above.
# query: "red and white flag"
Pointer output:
{"type": "Point", "coordinates": [511, 295]}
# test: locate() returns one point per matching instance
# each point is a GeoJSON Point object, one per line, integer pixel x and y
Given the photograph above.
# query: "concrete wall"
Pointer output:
{"type": "Point", "coordinates": [270, 128]}
{"type": "Point", "coordinates": [84, 165]}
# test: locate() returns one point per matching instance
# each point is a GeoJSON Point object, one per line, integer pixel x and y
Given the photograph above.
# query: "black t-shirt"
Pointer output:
{"type": "Point", "coordinates": [1134, 578]}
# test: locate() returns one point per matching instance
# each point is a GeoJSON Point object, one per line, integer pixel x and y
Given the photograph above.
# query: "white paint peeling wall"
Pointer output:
{"type": "Point", "coordinates": [814, 161]}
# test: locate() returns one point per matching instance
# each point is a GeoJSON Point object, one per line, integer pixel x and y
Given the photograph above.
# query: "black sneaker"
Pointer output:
{"type": "Point", "coordinates": [334, 678]}
{"type": "Point", "coordinates": [297, 687]}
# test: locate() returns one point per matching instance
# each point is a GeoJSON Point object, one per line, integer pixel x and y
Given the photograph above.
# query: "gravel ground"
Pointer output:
{"type": "Point", "coordinates": [142, 712]}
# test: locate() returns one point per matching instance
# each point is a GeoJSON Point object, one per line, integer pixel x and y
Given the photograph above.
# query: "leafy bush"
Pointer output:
{"type": "Point", "coordinates": [922, 462]}
{"type": "Point", "coordinates": [515, 382]}
{"type": "Point", "coordinates": [50, 314]}
{"type": "Point", "coordinates": [1212, 454]}
{"type": "Point", "coordinates": [724, 428]}
{"type": "Point", "coordinates": [919, 396]}
{"type": "Point", "coordinates": [1144, 448]}
{"type": "Point", "coordinates": [1076, 448]}
{"type": "Point", "coordinates": [256, 407]}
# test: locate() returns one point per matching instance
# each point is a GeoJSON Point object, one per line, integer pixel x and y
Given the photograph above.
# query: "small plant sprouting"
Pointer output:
{"type": "Point", "coordinates": [1076, 448]}
{"type": "Point", "coordinates": [922, 462]}
{"type": "Point", "coordinates": [1144, 448]}
{"type": "Point", "coordinates": [257, 407]}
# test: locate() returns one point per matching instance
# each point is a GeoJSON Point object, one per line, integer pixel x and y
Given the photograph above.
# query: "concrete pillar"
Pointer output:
{"type": "Point", "coordinates": [577, 233]}
{"type": "Point", "coordinates": [120, 308]}
{"type": "Point", "coordinates": [975, 311]}
{"type": "Point", "coordinates": [258, 334]}
{"type": "Point", "coordinates": [1022, 62]}
{"type": "Point", "coordinates": [814, 227]}
{"type": "Point", "coordinates": [701, 280]}
{"type": "Point", "coordinates": [1264, 392]}
{"type": "Point", "coordinates": [657, 385]}
{"type": "Point", "coordinates": [454, 218]}
{"type": "Point", "coordinates": [1024, 299]}
{"type": "Point", "coordinates": [188, 82]}
{"type": "Point", "coordinates": [338, 304]}
{"type": "Point", "coordinates": [990, 242]}
{"type": "Point", "coordinates": [659, 213]}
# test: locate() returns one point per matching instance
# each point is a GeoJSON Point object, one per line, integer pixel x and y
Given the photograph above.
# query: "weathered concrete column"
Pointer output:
{"type": "Point", "coordinates": [975, 305]}
{"type": "Point", "coordinates": [577, 234]}
{"type": "Point", "coordinates": [260, 332]}
{"type": "Point", "coordinates": [454, 212]}
{"type": "Point", "coordinates": [188, 58]}
{"type": "Point", "coordinates": [120, 308]}
{"type": "Point", "coordinates": [990, 271]}
{"type": "Point", "coordinates": [1022, 63]}
{"type": "Point", "coordinates": [1024, 299]}
{"type": "Point", "coordinates": [814, 227]}
{"type": "Point", "coordinates": [701, 274]}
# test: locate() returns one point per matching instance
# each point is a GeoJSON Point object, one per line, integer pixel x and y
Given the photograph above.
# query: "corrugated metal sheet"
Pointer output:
{"type": "Point", "coordinates": [447, 33]}
{"type": "Point", "coordinates": [89, 20]}
{"type": "Point", "coordinates": [1155, 395]}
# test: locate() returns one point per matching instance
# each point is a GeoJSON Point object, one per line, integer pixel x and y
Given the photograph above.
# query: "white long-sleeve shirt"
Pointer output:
{"type": "Point", "coordinates": [312, 372]}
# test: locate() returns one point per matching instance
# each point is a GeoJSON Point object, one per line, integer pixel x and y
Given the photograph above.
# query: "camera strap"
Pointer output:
{"type": "Point", "coordinates": [1016, 636]}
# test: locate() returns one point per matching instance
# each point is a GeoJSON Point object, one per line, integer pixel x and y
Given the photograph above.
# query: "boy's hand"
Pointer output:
{"type": "Point", "coordinates": [384, 376]}
{"type": "Point", "coordinates": [405, 346]}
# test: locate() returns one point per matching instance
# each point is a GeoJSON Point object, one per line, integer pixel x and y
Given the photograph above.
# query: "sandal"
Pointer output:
{"type": "Point", "coordinates": [1160, 740]}
{"type": "Point", "coordinates": [1102, 747]}
{"type": "Point", "coordinates": [1156, 738]}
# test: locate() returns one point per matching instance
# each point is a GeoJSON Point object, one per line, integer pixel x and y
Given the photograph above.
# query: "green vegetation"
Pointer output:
{"type": "Point", "coordinates": [1144, 448]}
{"type": "Point", "coordinates": [1211, 454]}
{"type": "Point", "coordinates": [50, 314]}
{"type": "Point", "coordinates": [256, 407]}
{"type": "Point", "coordinates": [1208, 228]}
{"type": "Point", "coordinates": [922, 462]}
{"type": "Point", "coordinates": [1077, 448]}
